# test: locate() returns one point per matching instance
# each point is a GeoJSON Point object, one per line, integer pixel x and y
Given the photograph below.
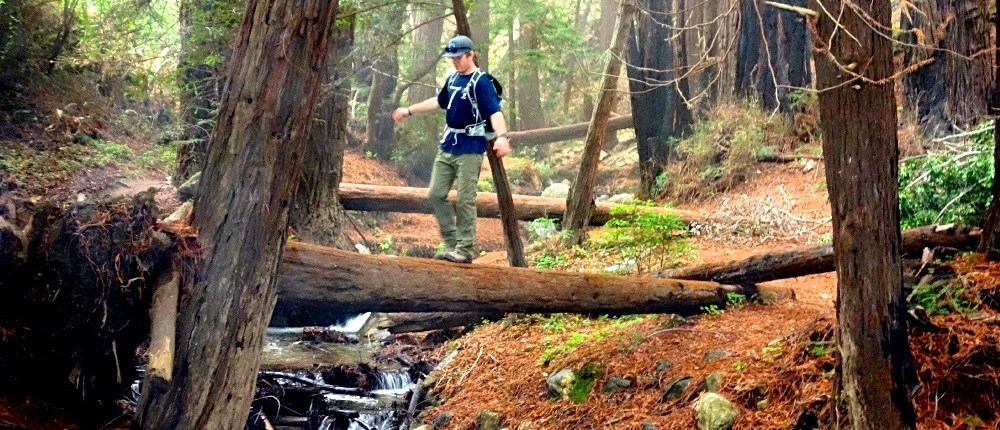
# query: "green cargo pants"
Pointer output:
{"type": "Point", "coordinates": [458, 223]}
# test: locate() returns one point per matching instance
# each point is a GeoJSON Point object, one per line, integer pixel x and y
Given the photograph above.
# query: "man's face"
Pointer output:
{"type": "Point", "coordinates": [463, 63]}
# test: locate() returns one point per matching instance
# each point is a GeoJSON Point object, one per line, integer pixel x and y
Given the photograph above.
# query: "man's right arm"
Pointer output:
{"type": "Point", "coordinates": [401, 113]}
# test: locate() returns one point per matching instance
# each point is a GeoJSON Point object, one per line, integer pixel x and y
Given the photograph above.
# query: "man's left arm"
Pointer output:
{"type": "Point", "coordinates": [501, 146]}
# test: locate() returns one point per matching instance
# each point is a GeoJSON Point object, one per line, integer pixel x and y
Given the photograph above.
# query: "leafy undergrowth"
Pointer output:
{"type": "Point", "coordinates": [778, 362]}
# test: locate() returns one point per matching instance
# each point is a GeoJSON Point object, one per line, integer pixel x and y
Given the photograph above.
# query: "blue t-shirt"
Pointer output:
{"type": "Point", "coordinates": [455, 101]}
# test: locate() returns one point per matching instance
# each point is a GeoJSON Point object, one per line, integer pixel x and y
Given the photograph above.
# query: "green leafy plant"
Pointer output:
{"type": "Point", "coordinates": [584, 382]}
{"type": "Point", "coordinates": [654, 240]}
{"type": "Point", "coordinates": [947, 187]}
{"type": "Point", "coordinates": [942, 298]}
{"type": "Point", "coordinates": [550, 260]}
{"type": "Point", "coordinates": [821, 348]}
{"type": "Point", "coordinates": [541, 229]}
{"type": "Point", "coordinates": [712, 310]}
{"type": "Point", "coordinates": [735, 300]}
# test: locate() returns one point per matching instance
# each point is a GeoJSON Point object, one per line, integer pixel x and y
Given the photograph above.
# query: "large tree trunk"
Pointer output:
{"type": "Point", "coordinates": [315, 275]}
{"type": "Point", "coordinates": [772, 53]}
{"type": "Point", "coordinates": [316, 213]}
{"type": "Point", "coordinates": [204, 56]}
{"type": "Point", "coordinates": [859, 146]}
{"type": "Point", "coordinates": [358, 197]}
{"type": "Point", "coordinates": [990, 244]}
{"type": "Point", "coordinates": [809, 260]}
{"type": "Point", "coordinates": [381, 133]}
{"type": "Point", "coordinates": [479, 24]}
{"type": "Point", "coordinates": [656, 106]}
{"type": "Point", "coordinates": [954, 36]}
{"type": "Point", "coordinates": [580, 202]}
{"type": "Point", "coordinates": [426, 50]}
{"type": "Point", "coordinates": [529, 99]}
{"type": "Point", "coordinates": [249, 179]}
{"type": "Point", "coordinates": [565, 132]}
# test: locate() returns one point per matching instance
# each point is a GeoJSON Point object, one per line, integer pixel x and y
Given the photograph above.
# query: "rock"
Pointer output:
{"type": "Point", "coordinates": [626, 266]}
{"type": "Point", "coordinates": [182, 214]}
{"type": "Point", "coordinates": [442, 420]}
{"type": "Point", "coordinates": [526, 425]}
{"type": "Point", "coordinates": [189, 189]}
{"type": "Point", "coordinates": [714, 412]}
{"type": "Point", "coordinates": [761, 405]}
{"type": "Point", "coordinates": [615, 383]}
{"type": "Point", "coordinates": [675, 388]}
{"type": "Point", "coordinates": [557, 190]}
{"type": "Point", "coordinates": [423, 427]}
{"type": "Point", "coordinates": [663, 365]}
{"type": "Point", "coordinates": [714, 355]}
{"type": "Point", "coordinates": [714, 381]}
{"type": "Point", "coordinates": [560, 382]}
{"type": "Point", "coordinates": [488, 420]}
{"type": "Point", "coordinates": [648, 426]}
{"type": "Point", "coordinates": [622, 199]}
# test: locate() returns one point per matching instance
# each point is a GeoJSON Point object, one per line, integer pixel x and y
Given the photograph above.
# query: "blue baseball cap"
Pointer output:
{"type": "Point", "coordinates": [458, 45]}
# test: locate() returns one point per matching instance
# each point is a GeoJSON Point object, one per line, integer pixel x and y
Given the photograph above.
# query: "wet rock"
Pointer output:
{"type": "Point", "coordinates": [558, 190]}
{"type": "Point", "coordinates": [615, 383]}
{"type": "Point", "coordinates": [488, 420]}
{"type": "Point", "coordinates": [675, 388]}
{"type": "Point", "coordinates": [714, 412]}
{"type": "Point", "coordinates": [663, 365]}
{"type": "Point", "coordinates": [559, 383]}
{"type": "Point", "coordinates": [442, 420]}
{"type": "Point", "coordinates": [648, 426]}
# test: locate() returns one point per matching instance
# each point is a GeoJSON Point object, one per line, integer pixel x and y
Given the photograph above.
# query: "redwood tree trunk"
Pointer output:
{"type": "Point", "coordinates": [946, 91]}
{"type": "Point", "coordinates": [772, 53]}
{"type": "Point", "coordinates": [529, 100]}
{"type": "Point", "coordinates": [249, 180]}
{"type": "Point", "coordinates": [580, 202]}
{"type": "Point", "coordinates": [316, 213]}
{"type": "Point", "coordinates": [990, 245]}
{"type": "Point", "coordinates": [859, 146]}
{"type": "Point", "coordinates": [381, 134]}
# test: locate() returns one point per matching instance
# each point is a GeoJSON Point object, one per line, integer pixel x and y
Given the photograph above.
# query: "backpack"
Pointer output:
{"type": "Point", "coordinates": [470, 90]}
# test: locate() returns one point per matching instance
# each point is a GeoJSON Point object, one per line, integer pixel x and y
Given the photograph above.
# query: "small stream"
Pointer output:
{"type": "Point", "coordinates": [379, 401]}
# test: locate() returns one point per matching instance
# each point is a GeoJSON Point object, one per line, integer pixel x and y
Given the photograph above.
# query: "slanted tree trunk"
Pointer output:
{"type": "Point", "coordinates": [859, 145]}
{"type": "Point", "coordinates": [954, 36]}
{"type": "Point", "coordinates": [580, 202]}
{"type": "Point", "coordinates": [656, 106]}
{"type": "Point", "coordinates": [248, 182]}
{"type": "Point", "coordinates": [511, 235]}
{"type": "Point", "coordinates": [381, 132]}
{"type": "Point", "coordinates": [316, 213]}
{"type": "Point", "coordinates": [204, 55]}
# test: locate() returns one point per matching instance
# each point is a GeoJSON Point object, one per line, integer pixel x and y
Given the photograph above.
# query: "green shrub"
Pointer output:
{"type": "Point", "coordinates": [946, 188]}
{"type": "Point", "coordinates": [653, 240]}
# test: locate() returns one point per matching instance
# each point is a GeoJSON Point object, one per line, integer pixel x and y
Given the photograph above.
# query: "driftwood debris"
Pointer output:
{"type": "Point", "coordinates": [313, 275]}
{"type": "Point", "coordinates": [409, 322]}
{"type": "Point", "coordinates": [359, 197]}
{"type": "Point", "coordinates": [810, 260]}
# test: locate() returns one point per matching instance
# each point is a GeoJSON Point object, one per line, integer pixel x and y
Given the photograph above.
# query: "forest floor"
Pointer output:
{"type": "Point", "coordinates": [776, 359]}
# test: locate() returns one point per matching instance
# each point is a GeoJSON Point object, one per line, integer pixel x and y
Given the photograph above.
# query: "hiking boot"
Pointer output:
{"type": "Point", "coordinates": [457, 257]}
{"type": "Point", "coordinates": [443, 249]}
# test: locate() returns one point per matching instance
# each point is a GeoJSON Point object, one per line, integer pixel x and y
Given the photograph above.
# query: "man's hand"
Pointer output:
{"type": "Point", "coordinates": [400, 114]}
{"type": "Point", "coordinates": [501, 146]}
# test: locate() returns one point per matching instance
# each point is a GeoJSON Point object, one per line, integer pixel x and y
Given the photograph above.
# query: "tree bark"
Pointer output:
{"type": "Point", "coordinates": [315, 275]}
{"type": "Point", "coordinates": [990, 245]}
{"type": "Point", "coordinates": [529, 99]}
{"type": "Point", "coordinates": [479, 25]}
{"type": "Point", "coordinates": [809, 260]}
{"type": "Point", "coordinates": [316, 213]}
{"type": "Point", "coordinates": [580, 202]}
{"type": "Point", "coordinates": [377, 198]}
{"type": "Point", "coordinates": [248, 182]}
{"type": "Point", "coordinates": [410, 322]}
{"type": "Point", "coordinates": [952, 40]}
{"type": "Point", "coordinates": [426, 49]}
{"type": "Point", "coordinates": [861, 153]}
{"type": "Point", "coordinates": [772, 53]}
{"type": "Point", "coordinates": [565, 132]}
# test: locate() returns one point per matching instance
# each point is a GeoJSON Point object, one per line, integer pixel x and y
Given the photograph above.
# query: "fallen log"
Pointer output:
{"type": "Point", "coordinates": [360, 197]}
{"type": "Point", "coordinates": [409, 322]}
{"type": "Point", "coordinates": [312, 275]}
{"type": "Point", "coordinates": [811, 260]}
{"type": "Point", "coordinates": [565, 132]}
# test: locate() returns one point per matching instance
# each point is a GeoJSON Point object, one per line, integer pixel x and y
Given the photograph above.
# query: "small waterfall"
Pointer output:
{"type": "Point", "coordinates": [393, 383]}
{"type": "Point", "coordinates": [380, 420]}
{"type": "Point", "coordinates": [352, 325]}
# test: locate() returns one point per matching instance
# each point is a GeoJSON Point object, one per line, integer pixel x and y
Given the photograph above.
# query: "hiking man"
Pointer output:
{"type": "Point", "coordinates": [472, 107]}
